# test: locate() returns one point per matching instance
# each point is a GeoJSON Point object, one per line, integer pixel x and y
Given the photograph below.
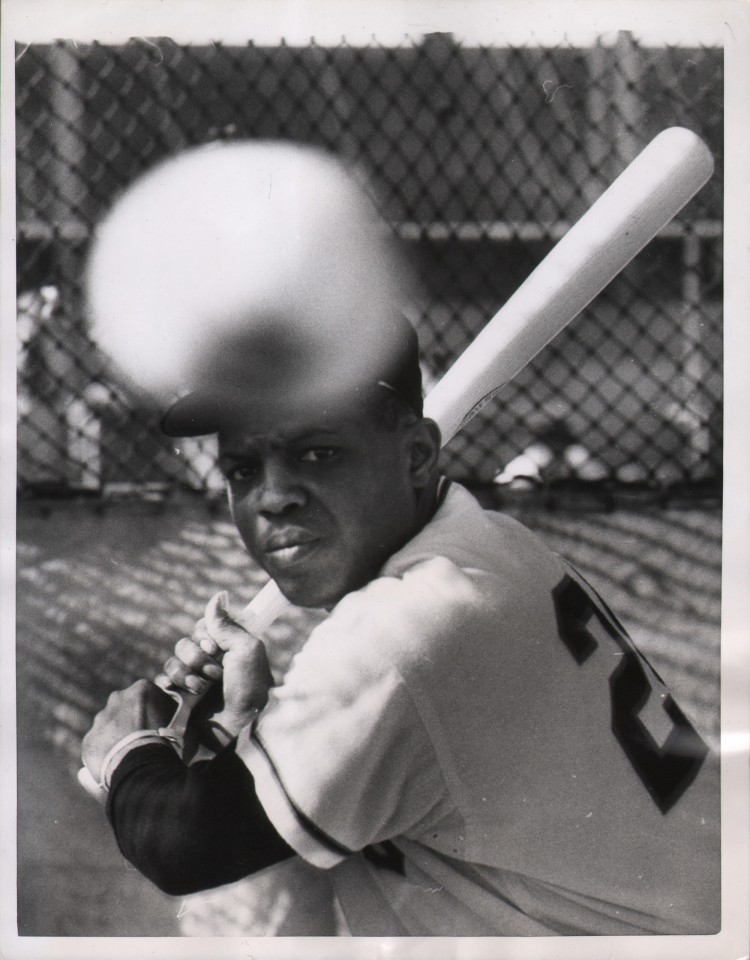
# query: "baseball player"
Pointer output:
{"type": "Point", "coordinates": [468, 743]}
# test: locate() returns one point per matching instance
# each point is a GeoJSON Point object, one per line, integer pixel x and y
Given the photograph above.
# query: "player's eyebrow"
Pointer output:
{"type": "Point", "coordinates": [234, 455]}
{"type": "Point", "coordinates": [301, 436]}
{"type": "Point", "coordinates": [311, 434]}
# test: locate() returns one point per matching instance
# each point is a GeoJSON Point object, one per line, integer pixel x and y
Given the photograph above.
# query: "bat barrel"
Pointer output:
{"type": "Point", "coordinates": [643, 199]}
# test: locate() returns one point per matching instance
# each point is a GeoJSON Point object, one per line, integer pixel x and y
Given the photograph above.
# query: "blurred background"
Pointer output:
{"type": "Point", "coordinates": [480, 158]}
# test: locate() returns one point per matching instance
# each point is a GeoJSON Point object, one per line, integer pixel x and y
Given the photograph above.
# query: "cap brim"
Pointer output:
{"type": "Point", "coordinates": [191, 416]}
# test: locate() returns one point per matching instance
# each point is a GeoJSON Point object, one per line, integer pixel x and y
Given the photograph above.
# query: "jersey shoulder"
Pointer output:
{"type": "Point", "coordinates": [467, 572]}
{"type": "Point", "coordinates": [475, 539]}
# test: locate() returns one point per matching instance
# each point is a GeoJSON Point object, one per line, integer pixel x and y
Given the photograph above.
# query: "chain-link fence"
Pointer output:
{"type": "Point", "coordinates": [480, 158]}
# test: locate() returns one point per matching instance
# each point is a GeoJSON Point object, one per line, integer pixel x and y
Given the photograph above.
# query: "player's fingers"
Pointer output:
{"type": "Point", "coordinates": [183, 677]}
{"type": "Point", "coordinates": [197, 659]}
{"type": "Point", "coordinates": [205, 641]}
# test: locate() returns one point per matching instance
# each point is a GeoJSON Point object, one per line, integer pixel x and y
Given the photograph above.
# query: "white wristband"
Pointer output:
{"type": "Point", "coordinates": [136, 739]}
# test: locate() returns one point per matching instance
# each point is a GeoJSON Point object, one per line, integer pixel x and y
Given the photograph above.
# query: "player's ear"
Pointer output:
{"type": "Point", "coordinates": [425, 450]}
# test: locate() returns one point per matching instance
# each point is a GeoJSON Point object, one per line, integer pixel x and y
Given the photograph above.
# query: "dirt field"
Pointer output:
{"type": "Point", "coordinates": [102, 599]}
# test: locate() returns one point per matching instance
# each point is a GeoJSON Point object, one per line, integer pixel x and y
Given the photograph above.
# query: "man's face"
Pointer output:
{"type": "Point", "coordinates": [321, 501]}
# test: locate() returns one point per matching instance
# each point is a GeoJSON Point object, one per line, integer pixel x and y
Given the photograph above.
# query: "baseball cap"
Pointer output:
{"type": "Point", "coordinates": [259, 377]}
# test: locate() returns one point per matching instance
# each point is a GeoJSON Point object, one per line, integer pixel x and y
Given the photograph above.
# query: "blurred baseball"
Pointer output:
{"type": "Point", "coordinates": [231, 238]}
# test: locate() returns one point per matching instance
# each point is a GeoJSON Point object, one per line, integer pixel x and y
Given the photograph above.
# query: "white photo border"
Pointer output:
{"type": "Point", "coordinates": [537, 21]}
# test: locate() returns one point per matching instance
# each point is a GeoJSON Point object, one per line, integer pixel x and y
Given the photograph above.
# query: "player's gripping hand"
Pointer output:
{"type": "Point", "coordinates": [142, 706]}
{"type": "Point", "coordinates": [222, 653]}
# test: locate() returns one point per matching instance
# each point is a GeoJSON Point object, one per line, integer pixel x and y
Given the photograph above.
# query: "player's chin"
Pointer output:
{"type": "Point", "coordinates": [319, 585]}
{"type": "Point", "coordinates": [303, 584]}
{"type": "Point", "coordinates": [306, 592]}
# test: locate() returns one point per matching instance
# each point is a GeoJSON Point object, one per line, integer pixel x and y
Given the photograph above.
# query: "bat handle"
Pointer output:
{"type": "Point", "coordinates": [90, 785]}
{"type": "Point", "coordinates": [256, 617]}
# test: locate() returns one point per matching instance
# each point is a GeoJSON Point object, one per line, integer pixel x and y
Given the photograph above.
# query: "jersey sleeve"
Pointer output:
{"type": "Point", "coordinates": [190, 828]}
{"type": "Point", "coordinates": [342, 755]}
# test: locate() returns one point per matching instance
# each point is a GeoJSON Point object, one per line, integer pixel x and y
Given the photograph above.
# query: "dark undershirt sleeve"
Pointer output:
{"type": "Point", "coordinates": [189, 828]}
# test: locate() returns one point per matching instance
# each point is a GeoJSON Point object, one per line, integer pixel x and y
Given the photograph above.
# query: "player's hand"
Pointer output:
{"type": "Point", "coordinates": [222, 650]}
{"type": "Point", "coordinates": [142, 706]}
{"type": "Point", "coordinates": [196, 663]}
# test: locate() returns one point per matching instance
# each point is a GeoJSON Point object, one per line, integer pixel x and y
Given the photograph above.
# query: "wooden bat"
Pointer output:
{"type": "Point", "coordinates": [640, 202]}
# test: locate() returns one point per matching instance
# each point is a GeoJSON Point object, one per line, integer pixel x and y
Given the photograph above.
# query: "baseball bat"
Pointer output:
{"type": "Point", "coordinates": [643, 199]}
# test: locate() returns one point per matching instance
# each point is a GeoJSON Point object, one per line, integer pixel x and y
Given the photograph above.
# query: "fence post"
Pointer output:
{"type": "Point", "coordinates": [690, 411]}
{"type": "Point", "coordinates": [614, 110]}
{"type": "Point", "coordinates": [66, 137]}
{"type": "Point", "coordinates": [628, 112]}
{"type": "Point", "coordinates": [84, 428]}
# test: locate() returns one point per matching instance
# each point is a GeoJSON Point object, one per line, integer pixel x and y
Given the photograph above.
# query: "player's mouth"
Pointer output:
{"type": "Point", "coordinates": [285, 549]}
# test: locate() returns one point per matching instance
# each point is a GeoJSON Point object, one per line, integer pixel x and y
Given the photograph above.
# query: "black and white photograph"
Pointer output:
{"type": "Point", "coordinates": [374, 455]}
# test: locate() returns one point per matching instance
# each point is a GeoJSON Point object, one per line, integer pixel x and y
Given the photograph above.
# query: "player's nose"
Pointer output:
{"type": "Point", "coordinates": [279, 489]}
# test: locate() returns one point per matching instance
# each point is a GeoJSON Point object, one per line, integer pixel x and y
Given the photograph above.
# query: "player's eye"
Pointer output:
{"type": "Point", "coordinates": [239, 472]}
{"type": "Point", "coordinates": [318, 454]}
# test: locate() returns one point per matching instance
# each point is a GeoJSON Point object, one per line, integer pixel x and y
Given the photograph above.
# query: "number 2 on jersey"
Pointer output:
{"type": "Point", "coordinates": [666, 769]}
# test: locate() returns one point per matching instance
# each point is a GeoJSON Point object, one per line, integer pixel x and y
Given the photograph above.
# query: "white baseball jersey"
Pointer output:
{"type": "Point", "coordinates": [473, 747]}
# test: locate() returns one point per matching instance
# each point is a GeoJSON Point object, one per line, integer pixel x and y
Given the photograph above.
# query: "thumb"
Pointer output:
{"type": "Point", "coordinates": [220, 624]}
